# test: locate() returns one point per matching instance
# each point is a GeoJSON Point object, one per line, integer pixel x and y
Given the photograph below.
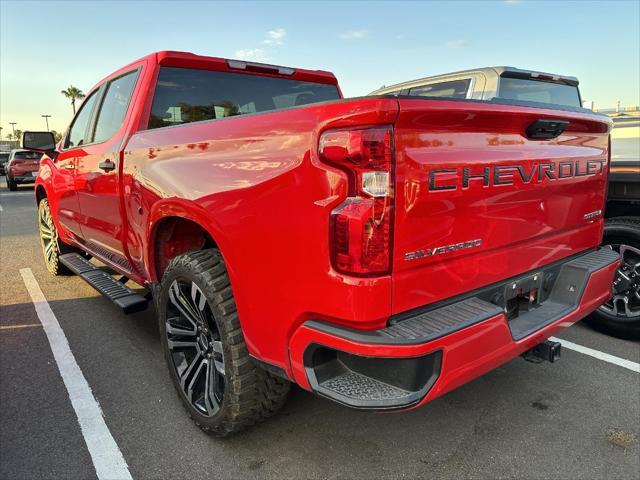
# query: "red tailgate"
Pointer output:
{"type": "Point", "coordinates": [477, 201]}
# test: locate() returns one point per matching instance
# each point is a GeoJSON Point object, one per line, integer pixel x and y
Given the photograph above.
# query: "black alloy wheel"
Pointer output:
{"type": "Point", "coordinates": [625, 301]}
{"type": "Point", "coordinates": [620, 315]}
{"type": "Point", "coordinates": [195, 347]}
{"type": "Point", "coordinates": [218, 382]}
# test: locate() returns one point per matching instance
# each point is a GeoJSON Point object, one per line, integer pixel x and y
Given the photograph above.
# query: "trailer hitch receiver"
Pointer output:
{"type": "Point", "coordinates": [549, 351]}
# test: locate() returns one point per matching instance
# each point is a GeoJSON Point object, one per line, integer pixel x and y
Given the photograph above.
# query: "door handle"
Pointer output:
{"type": "Point", "coordinates": [69, 166]}
{"type": "Point", "coordinates": [107, 165]}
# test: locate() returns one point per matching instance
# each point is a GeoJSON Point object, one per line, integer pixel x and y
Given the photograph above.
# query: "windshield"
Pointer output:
{"type": "Point", "coordinates": [538, 91]}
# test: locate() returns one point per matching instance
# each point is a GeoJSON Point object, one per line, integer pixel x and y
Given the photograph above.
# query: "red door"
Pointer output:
{"type": "Point", "coordinates": [97, 167]}
{"type": "Point", "coordinates": [64, 197]}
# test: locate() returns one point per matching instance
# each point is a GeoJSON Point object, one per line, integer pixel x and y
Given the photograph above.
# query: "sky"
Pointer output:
{"type": "Point", "coordinates": [47, 46]}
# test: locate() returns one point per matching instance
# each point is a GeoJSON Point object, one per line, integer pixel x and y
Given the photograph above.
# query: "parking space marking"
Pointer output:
{"type": "Point", "coordinates": [605, 357]}
{"type": "Point", "coordinates": [23, 325]}
{"type": "Point", "coordinates": [105, 454]}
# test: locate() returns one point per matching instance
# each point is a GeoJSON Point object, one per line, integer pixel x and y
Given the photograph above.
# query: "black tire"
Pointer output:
{"type": "Point", "coordinates": [11, 185]}
{"type": "Point", "coordinates": [52, 246]}
{"type": "Point", "coordinates": [620, 231]}
{"type": "Point", "coordinates": [236, 393]}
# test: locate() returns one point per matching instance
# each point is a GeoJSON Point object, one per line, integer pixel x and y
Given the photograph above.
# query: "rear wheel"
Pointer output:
{"type": "Point", "coordinates": [52, 246]}
{"type": "Point", "coordinates": [220, 387]}
{"type": "Point", "coordinates": [620, 316]}
{"type": "Point", "coordinates": [11, 185]}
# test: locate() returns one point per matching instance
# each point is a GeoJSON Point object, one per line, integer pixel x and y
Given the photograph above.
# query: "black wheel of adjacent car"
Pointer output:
{"type": "Point", "coordinates": [52, 246]}
{"type": "Point", "coordinates": [221, 388]}
{"type": "Point", "coordinates": [11, 185]}
{"type": "Point", "coordinates": [620, 316]}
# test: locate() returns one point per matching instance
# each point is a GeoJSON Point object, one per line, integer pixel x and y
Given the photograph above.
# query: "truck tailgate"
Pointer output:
{"type": "Point", "coordinates": [478, 201]}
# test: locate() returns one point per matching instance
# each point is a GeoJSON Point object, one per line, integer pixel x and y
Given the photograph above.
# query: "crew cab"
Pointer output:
{"type": "Point", "coordinates": [378, 251]}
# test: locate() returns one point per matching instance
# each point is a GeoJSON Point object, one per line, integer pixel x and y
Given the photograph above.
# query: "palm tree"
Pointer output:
{"type": "Point", "coordinates": [74, 94]}
{"type": "Point", "coordinates": [17, 135]}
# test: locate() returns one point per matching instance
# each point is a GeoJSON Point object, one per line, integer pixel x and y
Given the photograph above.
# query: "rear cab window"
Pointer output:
{"type": "Point", "coordinates": [538, 91]}
{"type": "Point", "coordinates": [185, 95]}
{"type": "Point", "coordinates": [27, 155]}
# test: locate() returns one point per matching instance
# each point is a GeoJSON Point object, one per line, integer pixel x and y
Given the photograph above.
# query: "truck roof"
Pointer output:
{"type": "Point", "coordinates": [172, 58]}
{"type": "Point", "coordinates": [488, 71]}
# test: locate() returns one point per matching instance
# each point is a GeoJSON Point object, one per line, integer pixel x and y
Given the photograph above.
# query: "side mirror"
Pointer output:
{"type": "Point", "coordinates": [43, 142]}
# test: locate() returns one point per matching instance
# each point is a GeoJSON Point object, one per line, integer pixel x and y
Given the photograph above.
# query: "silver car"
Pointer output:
{"type": "Point", "coordinates": [493, 83]}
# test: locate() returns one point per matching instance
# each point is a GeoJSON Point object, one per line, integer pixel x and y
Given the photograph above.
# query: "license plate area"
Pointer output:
{"type": "Point", "coordinates": [34, 174]}
{"type": "Point", "coordinates": [523, 295]}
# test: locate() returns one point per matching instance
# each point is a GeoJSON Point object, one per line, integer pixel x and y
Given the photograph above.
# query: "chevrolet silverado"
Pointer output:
{"type": "Point", "coordinates": [378, 251]}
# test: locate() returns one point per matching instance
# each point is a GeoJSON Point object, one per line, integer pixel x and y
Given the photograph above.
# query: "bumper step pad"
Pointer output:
{"type": "Point", "coordinates": [355, 386]}
{"type": "Point", "coordinates": [125, 298]}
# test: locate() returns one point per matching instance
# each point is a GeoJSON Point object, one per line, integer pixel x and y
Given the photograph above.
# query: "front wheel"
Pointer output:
{"type": "Point", "coordinates": [52, 246]}
{"type": "Point", "coordinates": [220, 387]}
{"type": "Point", "coordinates": [11, 185]}
{"type": "Point", "coordinates": [620, 316]}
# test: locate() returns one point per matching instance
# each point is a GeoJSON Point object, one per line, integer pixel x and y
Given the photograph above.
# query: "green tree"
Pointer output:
{"type": "Point", "coordinates": [18, 135]}
{"type": "Point", "coordinates": [56, 135]}
{"type": "Point", "coordinates": [73, 94]}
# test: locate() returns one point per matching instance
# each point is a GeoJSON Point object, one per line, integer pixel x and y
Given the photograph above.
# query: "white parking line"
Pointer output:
{"type": "Point", "coordinates": [1, 209]}
{"type": "Point", "coordinates": [105, 454]}
{"type": "Point", "coordinates": [605, 357]}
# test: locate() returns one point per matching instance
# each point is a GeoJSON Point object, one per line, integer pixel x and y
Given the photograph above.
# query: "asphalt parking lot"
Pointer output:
{"type": "Point", "coordinates": [579, 418]}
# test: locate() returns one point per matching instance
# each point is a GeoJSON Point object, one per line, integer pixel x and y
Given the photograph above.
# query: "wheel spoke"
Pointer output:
{"type": "Point", "coordinates": [218, 358]}
{"type": "Point", "coordinates": [210, 390]}
{"type": "Point", "coordinates": [183, 304]}
{"type": "Point", "coordinates": [174, 344]}
{"type": "Point", "coordinates": [194, 379]}
{"type": "Point", "coordinates": [184, 377]}
{"type": "Point", "coordinates": [199, 300]}
{"type": "Point", "coordinates": [174, 329]}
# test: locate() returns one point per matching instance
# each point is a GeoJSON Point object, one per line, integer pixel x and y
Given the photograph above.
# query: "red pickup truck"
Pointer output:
{"type": "Point", "coordinates": [377, 251]}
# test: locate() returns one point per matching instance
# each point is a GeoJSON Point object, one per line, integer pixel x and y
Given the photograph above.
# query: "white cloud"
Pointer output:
{"type": "Point", "coordinates": [456, 43]}
{"type": "Point", "coordinates": [252, 54]}
{"type": "Point", "coordinates": [275, 37]}
{"type": "Point", "coordinates": [355, 35]}
{"type": "Point", "coordinates": [512, 2]}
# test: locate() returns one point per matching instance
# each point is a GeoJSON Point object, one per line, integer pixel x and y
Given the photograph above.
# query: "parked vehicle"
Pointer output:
{"type": "Point", "coordinates": [377, 251]}
{"type": "Point", "coordinates": [620, 316]}
{"type": "Point", "coordinates": [22, 168]}
{"type": "Point", "coordinates": [4, 159]}
{"type": "Point", "coordinates": [506, 84]}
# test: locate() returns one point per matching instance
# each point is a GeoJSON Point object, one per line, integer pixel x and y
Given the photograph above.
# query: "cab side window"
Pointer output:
{"type": "Point", "coordinates": [114, 107]}
{"type": "Point", "coordinates": [77, 133]}
{"type": "Point", "coordinates": [451, 89]}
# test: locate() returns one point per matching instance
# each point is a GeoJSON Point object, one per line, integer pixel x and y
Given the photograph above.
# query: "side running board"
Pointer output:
{"type": "Point", "coordinates": [125, 298]}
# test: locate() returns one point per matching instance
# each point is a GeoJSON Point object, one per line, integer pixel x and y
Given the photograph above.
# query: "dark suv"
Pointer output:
{"type": "Point", "coordinates": [22, 168]}
{"type": "Point", "coordinates": [4, 159]}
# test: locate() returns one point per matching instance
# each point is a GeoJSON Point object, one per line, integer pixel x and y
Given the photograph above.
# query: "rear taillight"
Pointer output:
{"type": "Point", "coordinates": [361, 226]}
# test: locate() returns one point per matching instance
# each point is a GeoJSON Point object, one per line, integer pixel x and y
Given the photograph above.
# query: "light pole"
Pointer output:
{"type": "Point", "coordinates": [13, 127]}
{"type": "Point", "coordinates": [46, 119]}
